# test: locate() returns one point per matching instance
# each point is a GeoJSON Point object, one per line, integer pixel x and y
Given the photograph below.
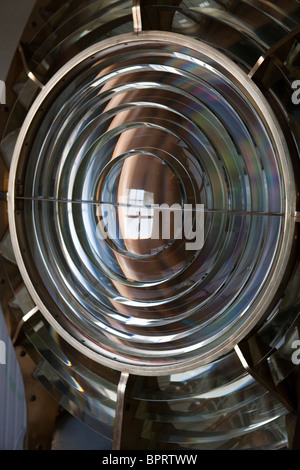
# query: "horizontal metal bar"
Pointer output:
{"type": "Point", "coordinates": [149, 206]}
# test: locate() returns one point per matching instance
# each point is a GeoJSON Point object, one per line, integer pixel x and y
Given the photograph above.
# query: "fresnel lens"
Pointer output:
{"type": "Point", "coordinates": [152, 217]}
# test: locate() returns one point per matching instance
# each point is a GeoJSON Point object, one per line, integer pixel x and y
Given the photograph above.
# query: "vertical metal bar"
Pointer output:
{"type": "Point", "coordinates": [137, 16]}
{"type": "Point", "coordinates": [120, 410]}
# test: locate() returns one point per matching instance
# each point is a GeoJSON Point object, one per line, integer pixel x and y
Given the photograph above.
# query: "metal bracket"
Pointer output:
{"type": "Point", "coordinates": [251, 355]}
{"type": "Point", "coordinates": [285, 391]}
{"type": "Point", "coordinates": [119, 411]}
{"type": "Point", "coordinates": [262, 70]}
{"type": "Point", "coordinates": [21, 323]}
{"type": "Point", "coordinates": [29, 73]}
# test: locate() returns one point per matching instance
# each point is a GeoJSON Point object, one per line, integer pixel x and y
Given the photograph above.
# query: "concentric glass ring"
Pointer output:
{"type": "Point", "coordinates": [129, 125]}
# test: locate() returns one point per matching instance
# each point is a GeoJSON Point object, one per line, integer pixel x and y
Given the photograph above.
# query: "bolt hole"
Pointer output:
{"type": "Point", "coordinates": [32, 398]}
{"type": "Point", "coordinates": [23, 353]}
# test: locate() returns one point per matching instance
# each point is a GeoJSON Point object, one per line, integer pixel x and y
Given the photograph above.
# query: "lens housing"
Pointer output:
{"type": "Point", "coordinates": [162, 103]}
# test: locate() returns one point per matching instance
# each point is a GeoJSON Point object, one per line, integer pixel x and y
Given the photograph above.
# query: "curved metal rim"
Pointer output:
{"type": "Point", "coordinates": [270, 122]}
